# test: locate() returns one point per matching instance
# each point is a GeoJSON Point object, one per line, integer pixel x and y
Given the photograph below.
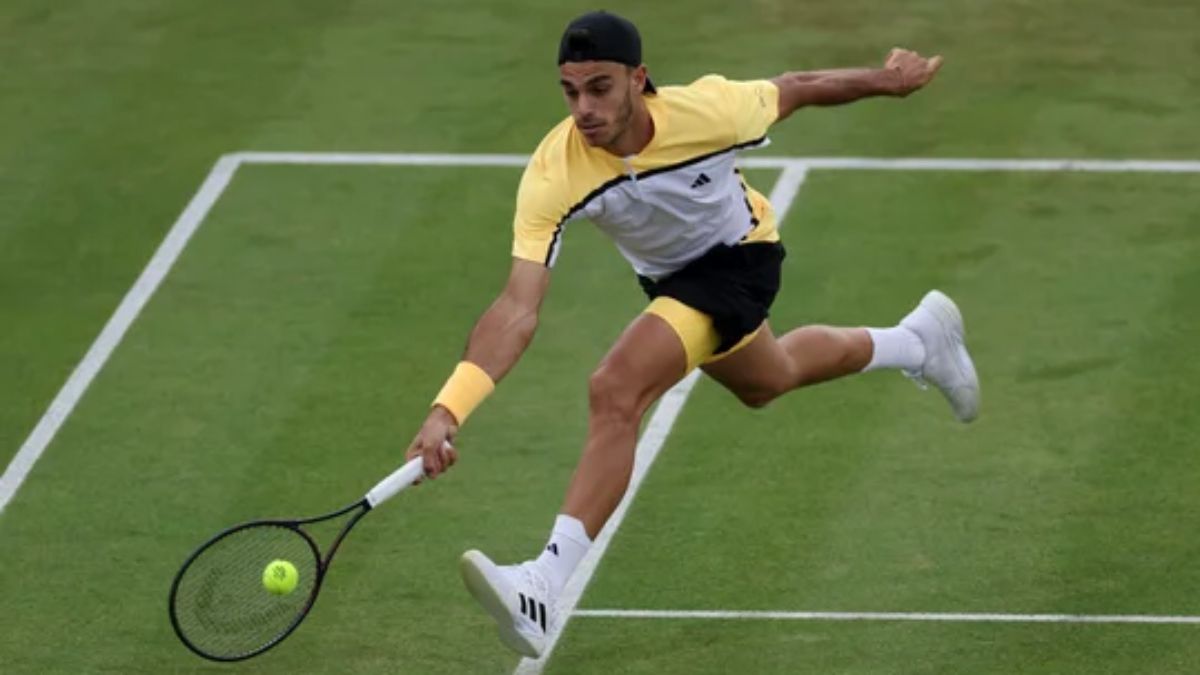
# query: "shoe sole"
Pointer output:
{"type": "Point", "coordinates": [481, 576]}
{"type": "Point", "coordinates": [950, 318]}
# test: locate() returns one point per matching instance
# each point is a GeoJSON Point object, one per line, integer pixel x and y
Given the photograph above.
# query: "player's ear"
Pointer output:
{"type": "Point", "coordinates": [637, 78]}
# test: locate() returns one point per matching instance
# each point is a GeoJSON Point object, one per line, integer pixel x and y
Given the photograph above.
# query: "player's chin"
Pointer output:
{"type": "Point", "coordinates": [594, 136]}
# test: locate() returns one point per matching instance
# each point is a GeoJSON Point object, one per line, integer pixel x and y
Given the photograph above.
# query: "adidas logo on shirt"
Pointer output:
{"type": "Point", "coordinates": [702, 179]}
{"type": "Point", "coordinates": [553, 548]}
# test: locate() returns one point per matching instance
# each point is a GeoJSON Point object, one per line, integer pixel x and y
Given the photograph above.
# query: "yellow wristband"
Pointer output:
{"type": "Point", "coordinates": [465, 390]}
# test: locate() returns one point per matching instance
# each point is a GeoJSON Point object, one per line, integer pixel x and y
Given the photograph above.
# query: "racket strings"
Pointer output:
{"type": "Point", "coordinates": [221, 604]}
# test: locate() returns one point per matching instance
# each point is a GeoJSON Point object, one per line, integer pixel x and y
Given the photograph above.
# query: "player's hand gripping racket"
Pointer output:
{"type": "Point", "coordinates": [220, 604]}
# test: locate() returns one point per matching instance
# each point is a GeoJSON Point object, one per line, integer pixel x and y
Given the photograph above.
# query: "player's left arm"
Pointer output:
{"type": "Point", "coordinates": [903, 73]}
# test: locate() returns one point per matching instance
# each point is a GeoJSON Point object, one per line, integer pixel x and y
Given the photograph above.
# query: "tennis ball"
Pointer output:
{"type": "Point", "coordinates": [280, 577]}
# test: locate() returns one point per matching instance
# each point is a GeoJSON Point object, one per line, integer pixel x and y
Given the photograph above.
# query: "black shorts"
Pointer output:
{"type": "Point", "coordinates": [734, 285]}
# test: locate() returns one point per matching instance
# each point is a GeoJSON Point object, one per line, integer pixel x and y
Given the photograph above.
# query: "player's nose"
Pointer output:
{"type": "Point", "coordinates": [586, 106]}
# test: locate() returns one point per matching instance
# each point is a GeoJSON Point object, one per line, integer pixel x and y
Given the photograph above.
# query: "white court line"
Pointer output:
{"type": "Point", "coordinates": [882, 616]}
{"type": "Point", "coordinates": [648, 447]}
{"type": "Point", "coordinates": [851, 163]}
{"type": "Point", "coordinates": [381, 159]}
{"type": "Point", "coordinates": [946, 164]}
{"type": "Point", "coordinates": [67, 398]}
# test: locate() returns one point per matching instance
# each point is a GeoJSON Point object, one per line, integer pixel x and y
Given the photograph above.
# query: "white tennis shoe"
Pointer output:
{"type": "Point", "coordinates": [947, 366]}
{"type": "Point", "coordinates": [517, 596]}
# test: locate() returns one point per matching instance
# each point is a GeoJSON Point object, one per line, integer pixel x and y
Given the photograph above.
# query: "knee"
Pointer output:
{"type": "Point", "coordinates": [758, 398]}
{"type": "Point", "coordinates": [611, 393]}
{"type": "Point", "coordinates": [764, 391]}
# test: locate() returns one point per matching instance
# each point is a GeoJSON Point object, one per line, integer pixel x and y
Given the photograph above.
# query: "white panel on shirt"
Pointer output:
{"type": "Point", "coordinates": [661, 222]}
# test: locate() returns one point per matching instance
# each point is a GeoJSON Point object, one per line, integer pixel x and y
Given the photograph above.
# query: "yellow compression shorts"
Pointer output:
{"type": "Point", "coordinates": [695, 330]}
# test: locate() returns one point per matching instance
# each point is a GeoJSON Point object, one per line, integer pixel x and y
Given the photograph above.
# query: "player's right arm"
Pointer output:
{"type": "Point", "coordinates": [500, 337]}
{"type": "Point", "coordinates": [505, 330]}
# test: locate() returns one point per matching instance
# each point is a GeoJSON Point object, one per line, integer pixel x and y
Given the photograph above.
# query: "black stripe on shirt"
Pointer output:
{"type": "Point", "coordinates": [554, 241]}
{"type": "Point", "coordinates": [617, 180]}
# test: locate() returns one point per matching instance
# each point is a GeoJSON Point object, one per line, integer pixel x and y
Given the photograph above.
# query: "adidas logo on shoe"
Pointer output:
{"type": "Point", "coordinates": [534, 609]}
{"type": "Point", "coordinates": [517, 597]}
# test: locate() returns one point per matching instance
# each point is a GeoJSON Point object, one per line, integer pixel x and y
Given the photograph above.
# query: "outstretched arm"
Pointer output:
{"type": "Point", "coordinates": [506, 328]}
{"type": "Point", "coordinates": [497, 342]}
{"type": "Point", "coordinates": [903, 73]}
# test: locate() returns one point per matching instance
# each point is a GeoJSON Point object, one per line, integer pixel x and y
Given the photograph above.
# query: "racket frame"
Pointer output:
{"type": "Point", "coordinates": [294, 525]}
{"type": "Point", "coordinates": [395, 483]}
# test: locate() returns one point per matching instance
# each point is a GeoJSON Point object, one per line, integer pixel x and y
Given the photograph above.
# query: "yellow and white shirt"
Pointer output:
{"type": "Point", "coordinates": [667, 205]}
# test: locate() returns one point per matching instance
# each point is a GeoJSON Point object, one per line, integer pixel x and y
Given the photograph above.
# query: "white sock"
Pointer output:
{"type": "Point", "coordinates": [567, 546]}
{"type": "Point", "coordinates": [896, 347]}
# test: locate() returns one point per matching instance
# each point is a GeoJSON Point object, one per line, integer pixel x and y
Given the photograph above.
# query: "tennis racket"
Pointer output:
{"type": "Point", "coordinates": [219, 605]}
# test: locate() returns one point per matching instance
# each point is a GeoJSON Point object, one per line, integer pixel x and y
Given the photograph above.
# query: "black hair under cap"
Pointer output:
{"type": "Point", "coordinates": [601, 36]}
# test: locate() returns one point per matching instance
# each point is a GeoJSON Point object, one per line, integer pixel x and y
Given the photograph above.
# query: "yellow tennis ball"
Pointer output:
{"type": "Point", "coordinates": [280, 577]}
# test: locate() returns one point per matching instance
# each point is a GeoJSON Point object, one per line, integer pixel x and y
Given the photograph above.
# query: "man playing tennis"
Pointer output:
{"type": "Point", "coordinates": [655, 170]}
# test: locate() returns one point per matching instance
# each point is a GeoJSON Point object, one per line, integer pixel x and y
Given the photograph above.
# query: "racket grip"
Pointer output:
{"type": "Point", "coordinates": [399, 479]}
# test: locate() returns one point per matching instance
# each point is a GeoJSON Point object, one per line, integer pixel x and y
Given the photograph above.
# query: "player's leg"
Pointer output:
{"type": "Point", "coordinates": [648, 358]}
{"type": "Point", "coordinates": [927, 345]}
{"type": "Point", "coordinates": [767, 367]}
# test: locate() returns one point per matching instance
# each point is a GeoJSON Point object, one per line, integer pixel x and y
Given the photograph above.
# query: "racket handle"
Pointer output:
{"type": "Point", "coordinates": [399, 479]}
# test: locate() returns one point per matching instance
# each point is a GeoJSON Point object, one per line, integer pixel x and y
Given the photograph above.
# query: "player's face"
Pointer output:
{"type": "Point", "coordinates": [600, 95]}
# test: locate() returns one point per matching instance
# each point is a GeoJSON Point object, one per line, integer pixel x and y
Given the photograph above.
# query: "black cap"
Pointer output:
{"type": "Point", "coordinates": [600, 36]}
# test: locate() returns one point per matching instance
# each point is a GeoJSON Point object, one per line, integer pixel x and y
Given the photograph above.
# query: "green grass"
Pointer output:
{"type": "Point", "coordinates": [286, 360]}
{"type": "Point", "coordinates": [274, 374]}
{"type": "Point", "coordinates": [869, 649]}
{"type": "Point", "coordinates": [1066, 496]}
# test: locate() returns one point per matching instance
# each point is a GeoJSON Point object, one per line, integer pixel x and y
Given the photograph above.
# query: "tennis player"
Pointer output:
{"type": "Point", "coordinates": [655, 169]}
